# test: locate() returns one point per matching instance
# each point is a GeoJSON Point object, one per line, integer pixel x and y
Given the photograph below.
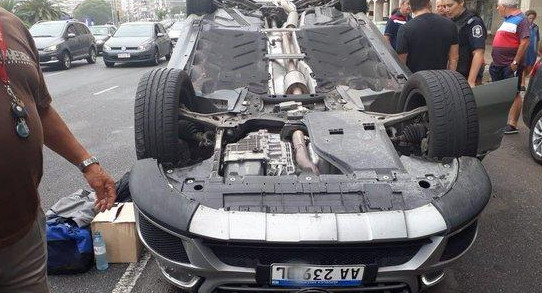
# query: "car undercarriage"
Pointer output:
{"type": "Point", "coordinates": [285, 148]}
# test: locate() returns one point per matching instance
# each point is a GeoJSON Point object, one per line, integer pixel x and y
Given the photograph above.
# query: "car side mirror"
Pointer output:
{"type": "Point", "coordinates": [160, 34]}
{"type": "Point", "coordinates": [71, 35]}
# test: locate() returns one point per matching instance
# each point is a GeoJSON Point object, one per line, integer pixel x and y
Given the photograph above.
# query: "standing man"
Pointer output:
{"type": "Point", "coordinates": [396, 21]}
{"type": "Point", "coordinates": [429, 41]}
{"type": "Point", "coordinates": [509, 45]}
{"type": "Point", "coordinates": [532, 50]}
{"type": "Point", "coordinates": [472, 40]}
{"type": "Point", "coordinates": [27, 121]}
{"type": "Point", "coordinates": [440, 9]}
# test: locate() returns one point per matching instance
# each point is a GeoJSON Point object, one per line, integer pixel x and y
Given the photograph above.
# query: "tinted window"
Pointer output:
{"type": "Point", "coordinates": [162, 29]}
{"type": "Point", "coordinates": [47, 29]}
{"type": "Point", "coordinates": [135, 30]}
{"type": "Point", "coordinates": [71, 29]}
{"type": "Point", "coordinates": [80, 29]}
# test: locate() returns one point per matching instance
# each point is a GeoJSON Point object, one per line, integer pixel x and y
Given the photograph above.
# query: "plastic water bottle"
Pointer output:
{"type": "Point", "coordinates": [100, 254]}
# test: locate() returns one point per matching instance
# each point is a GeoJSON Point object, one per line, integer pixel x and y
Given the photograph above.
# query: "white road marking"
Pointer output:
{"type": "Point", "coordinates": [53, 74]}
{"type": "Point", "coordinates": [133, 271]}
{"type": "Point", "coordinates": [106, 90]}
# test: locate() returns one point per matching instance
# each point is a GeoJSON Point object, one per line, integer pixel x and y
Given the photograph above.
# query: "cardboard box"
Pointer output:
{"type": "Point", "coordinates": [119, 233]}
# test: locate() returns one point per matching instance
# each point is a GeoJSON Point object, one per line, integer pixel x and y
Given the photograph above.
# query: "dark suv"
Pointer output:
{"type": "Point", "coordinates": [532, 112]}
{"type": "Point", "coordinates": [61, 42]}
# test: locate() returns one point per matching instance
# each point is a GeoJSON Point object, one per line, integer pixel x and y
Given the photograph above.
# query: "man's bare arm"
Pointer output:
{"type": "Point", "coordinates": [476, 65]}
{"type": "Point", "coordinates": [523, 44]}
{"type": "Point", "coordinates": [59, 138]}
{"type": "Point", "coordinates": [403, 57]}
{"type": "Point", "coordinates": [453, 56]}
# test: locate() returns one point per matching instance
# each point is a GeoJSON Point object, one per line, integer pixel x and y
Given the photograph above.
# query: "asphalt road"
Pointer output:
{"type": "Point", "coordinates": [97, 104]}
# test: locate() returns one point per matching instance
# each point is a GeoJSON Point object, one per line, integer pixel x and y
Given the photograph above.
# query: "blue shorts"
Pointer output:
{"type": "Point", "coordinates": [504, 72]}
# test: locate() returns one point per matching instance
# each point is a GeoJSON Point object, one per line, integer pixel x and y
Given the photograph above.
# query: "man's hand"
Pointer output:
{"type": "Point", "coordinates": [104, 186]}
{"type": "Point", "coordinates": [514, 67]}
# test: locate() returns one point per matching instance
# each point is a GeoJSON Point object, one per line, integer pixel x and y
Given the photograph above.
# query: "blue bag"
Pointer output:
{"type": "Point", "coordinates": [69, 247]}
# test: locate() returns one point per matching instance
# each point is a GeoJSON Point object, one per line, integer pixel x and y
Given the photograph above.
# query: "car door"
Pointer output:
{"type": "Point", "coordinates": [493, 100]}
{"type": "Point", "coordinates": [81, 40]}
{"type": "Point", "coordinates": [161, 39]}
{"type": "Point", "coordinates": [72, 42]}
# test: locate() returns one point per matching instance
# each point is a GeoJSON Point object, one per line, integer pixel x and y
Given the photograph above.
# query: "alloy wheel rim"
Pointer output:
{"type": "Point", "coordinates": [536, 143]}
{"type": "Point", "coordinates": [66, 60]}
{"type": "Point", "coordinates": [93, 55]}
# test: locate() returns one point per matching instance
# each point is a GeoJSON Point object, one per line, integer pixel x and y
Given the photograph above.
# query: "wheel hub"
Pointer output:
{"type": "Point", "coordinates": [537, 138]}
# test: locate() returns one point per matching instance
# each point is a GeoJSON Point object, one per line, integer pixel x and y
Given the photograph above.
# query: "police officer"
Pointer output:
{"type": "Point", "coordinates": [472, 40]}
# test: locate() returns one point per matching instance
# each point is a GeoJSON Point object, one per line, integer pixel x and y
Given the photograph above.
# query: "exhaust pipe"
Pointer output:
{"type": "Point", "coordinates": [302, 153]}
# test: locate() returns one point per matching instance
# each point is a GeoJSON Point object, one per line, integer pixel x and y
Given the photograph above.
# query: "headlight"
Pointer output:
{"type": "Point", "coordinates": [107, 48]}
{"type": "Point", "coordinates": [144, 47]}
{"type": "Point", "coordinates": [51, 48]}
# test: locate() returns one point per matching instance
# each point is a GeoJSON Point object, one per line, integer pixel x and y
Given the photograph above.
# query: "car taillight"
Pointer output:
{"type": "Point", "coordinates": [535, 68]}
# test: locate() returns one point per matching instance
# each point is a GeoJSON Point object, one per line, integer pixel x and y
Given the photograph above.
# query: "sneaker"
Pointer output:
{"type": "Point", "coordinates": [509, 129]}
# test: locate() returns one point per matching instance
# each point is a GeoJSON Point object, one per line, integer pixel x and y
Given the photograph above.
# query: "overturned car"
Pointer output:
{"type": "Point", "coordinates": [286, 149]}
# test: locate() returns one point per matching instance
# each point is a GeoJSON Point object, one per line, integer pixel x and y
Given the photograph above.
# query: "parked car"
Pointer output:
{"type": "Point", "coordinates": [532, 112]}
{"type": "Point", "coordinates": [285, 147]}
{"type": "Point", "coordinates": [175, 31]}
{"type": "Point", "coordinates": [61, 42]}
{"type": "Point", "coordinates": [102, 33]}
{"type": "Point", "coordinates": [137, 42]}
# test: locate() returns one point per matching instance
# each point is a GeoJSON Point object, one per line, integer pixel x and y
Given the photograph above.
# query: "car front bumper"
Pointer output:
{"type": "Point", "coordinates": [201, 249]}
{"type": "Point", "coordinates": [196, 264]}
{"type": "Point", "coordinates": [48, 58]}
{"type": "Point", "coordinates": [136, 56]}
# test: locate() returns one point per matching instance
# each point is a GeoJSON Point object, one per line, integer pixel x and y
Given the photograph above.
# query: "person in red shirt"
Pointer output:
{"type": "Point", "coordinates": [509, 46]}
{"type": "Point", "coordinates": [396, 21]}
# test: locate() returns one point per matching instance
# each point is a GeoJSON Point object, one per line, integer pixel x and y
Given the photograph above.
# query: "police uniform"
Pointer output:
{"type": "Point", "coordinates": [472, 35]}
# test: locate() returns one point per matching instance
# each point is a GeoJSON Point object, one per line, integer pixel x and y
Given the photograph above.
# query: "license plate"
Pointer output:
{"type": "Point", "coordinates": [316, 276]}
{"type": "Point", "coordinates": [124, 55]}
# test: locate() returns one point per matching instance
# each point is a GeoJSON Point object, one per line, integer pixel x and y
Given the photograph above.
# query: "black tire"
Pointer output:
{"type": "Point", "coordinates": [156, 57]}
{"type": "Point", "coordinates": [65, 60]}
{"type": "Point", "coordinates": [168, 55]}
{"type": "Point", "coordinates": [452, 117]}
{"type": "Point", "coordinates": [354, 6]}
{"type": "Point", "coordinates": [156, 111]}
{"type": "Point", "coordinates": [91, 59]}
{"type": "Point", "coordinates": [199, 7]}
{"type": "Point", "coordinates": [535, 138]}
{"type": "Point", "coordinates": [109, 64]}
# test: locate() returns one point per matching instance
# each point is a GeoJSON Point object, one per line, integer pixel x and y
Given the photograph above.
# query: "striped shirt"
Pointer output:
{"type": "Point", "coordinates": [507, 38]}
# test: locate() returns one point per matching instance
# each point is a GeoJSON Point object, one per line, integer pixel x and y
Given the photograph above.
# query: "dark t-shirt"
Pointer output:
{"type": "Point", "coordinates": [21, 160]}
{"type": "Point", "coordinates": [472, 36]}
{"type": "Point", "coordinates": [392, 27]}
{"type": "Point", "coordinates": [427, 39]}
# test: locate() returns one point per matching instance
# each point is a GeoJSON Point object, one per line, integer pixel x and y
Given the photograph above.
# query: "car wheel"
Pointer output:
{"type": "Point", "coordinates": [91, 59]}
{"type": "Point", "coordinates": [199, 7]}
{"type": "Point", "coordinates": [168, 56]}
{"type": "Point", "coordinates": [66, 60]}
{"type": "Point", "coordinates": [109, 64]}
{"type": "Point", "coordinates": [160, 93]}
{"type": "Point", "coordinates": [156, 57]}
{"type": "Point", "coordinates": [354, 6]}
{"type": "Point", "coordinates": [451, 118]}
{"type": "Point", "coordinates": [535, 138]}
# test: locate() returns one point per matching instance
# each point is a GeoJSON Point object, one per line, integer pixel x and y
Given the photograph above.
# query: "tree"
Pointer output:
{"type": "Point", "coordinates": [97, 10]}
{"type": "Point", "coordinates": [160, 13]}
{"type": "Point", "coordinates": [32, 11]}
{"type": "Point", "coordinates": [8, 5]}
